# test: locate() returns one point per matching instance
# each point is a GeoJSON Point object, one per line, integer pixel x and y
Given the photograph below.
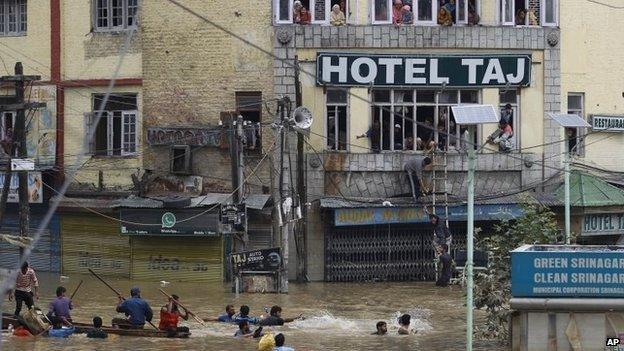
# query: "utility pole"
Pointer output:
{"type": "Point", "coordinates": [284, 229]}
{"type": "Point", "coordinates": [16, 103]}
{"type": "Point", "coordinates": [234, 159]}
{"type": "Point", "coordinates": [300, 226]}
{"type": "Point", "coordinates": [240, 159]}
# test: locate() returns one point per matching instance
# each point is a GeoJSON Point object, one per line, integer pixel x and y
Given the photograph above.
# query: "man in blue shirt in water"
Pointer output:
{"type": "Point", "coordinates": [137, 309]}
{"type": "Point", "coordinates": [228, 317]}
{"type": "Point", "coordinates": [57, 330]}
{"type": "Point", "coordinates": [244, 316]}
{"type": "Point", "coordinates": [280, 339]}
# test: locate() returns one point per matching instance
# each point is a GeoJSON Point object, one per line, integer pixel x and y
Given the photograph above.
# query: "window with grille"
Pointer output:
{"type": "Point", "coordinates": [13, 17]}
{"type": "Point", "coordinates": [337, 112]}
{"type": "Point", "coordinates": [115, 15]}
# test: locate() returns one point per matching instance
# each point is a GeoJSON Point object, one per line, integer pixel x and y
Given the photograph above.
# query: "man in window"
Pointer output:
{"type": "Point", "coordinates": [502, 137]}
{"type": "Point", "coordinates": [414, 169]}
{"type": "Point", "coordinates": [373, 133]}
{"type": "Point", "coordinates": [507, 115]}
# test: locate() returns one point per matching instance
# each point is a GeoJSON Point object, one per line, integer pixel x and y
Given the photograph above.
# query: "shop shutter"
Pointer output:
{"type": "Point", "coordinates": [177, 259]}
{"type": "Point", "coordinates": [44, 256]}
{"type": "Point", "coordinates": [260, 232]}
{"type": "Point", "coordinates": [94, 242]}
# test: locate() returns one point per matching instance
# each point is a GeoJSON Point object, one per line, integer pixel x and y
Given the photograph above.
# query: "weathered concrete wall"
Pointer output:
{"type": "Point", "coordinates": [192, 71]}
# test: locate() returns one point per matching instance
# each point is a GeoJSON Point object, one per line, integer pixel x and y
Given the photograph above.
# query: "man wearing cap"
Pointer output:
{"type": "Point", "coordinates": [136, 309]}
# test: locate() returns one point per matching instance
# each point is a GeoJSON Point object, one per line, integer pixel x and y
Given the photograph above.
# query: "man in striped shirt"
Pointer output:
{"type": "Point", "coordinates": [26, 287]}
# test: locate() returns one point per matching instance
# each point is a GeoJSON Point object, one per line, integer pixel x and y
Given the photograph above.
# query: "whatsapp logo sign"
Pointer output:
{"type": "Point", "coordinates": [168, 220]}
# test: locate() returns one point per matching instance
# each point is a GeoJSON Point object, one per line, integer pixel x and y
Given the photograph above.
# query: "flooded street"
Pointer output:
{"type": "Point", "coordinates": [338, 316]}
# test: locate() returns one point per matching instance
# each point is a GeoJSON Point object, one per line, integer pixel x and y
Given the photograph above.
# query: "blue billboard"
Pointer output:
{"type": "Point", "coordinates": [567, 271]}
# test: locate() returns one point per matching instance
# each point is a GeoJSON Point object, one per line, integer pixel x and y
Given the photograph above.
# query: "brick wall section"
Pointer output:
{"type": "Point", "coordinates": [192, 70]}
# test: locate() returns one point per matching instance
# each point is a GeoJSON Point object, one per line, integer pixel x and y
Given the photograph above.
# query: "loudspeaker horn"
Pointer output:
{"type": "Point", "coordinates": [302, 118]}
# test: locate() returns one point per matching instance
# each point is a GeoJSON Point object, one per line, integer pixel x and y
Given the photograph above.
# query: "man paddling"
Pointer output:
{"type": "Point", "coordinates": [169, 316]}
{"type": "Point", "coordinates": [136, 309]}
{"type": "Point", "coordinates": [60, 307]}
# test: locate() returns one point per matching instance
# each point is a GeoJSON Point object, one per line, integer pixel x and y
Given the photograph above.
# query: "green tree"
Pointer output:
{"type": "Point", "coordinates": [493, 285]}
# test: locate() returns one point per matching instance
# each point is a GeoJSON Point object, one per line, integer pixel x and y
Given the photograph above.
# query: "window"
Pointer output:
{"type": "Point", "coordinates": [115, 15]}
{"type": "Point", "coordinates": [181, 159]}
{"type": "Point", "coordinates": [13, 17]}
{"type": "Point", "coordinates": [529, 12]}
{"type": "Point", "coordinates": [509, 103]}
{"type": "Point", "coordinates": [418, 119]}
{"type": "Point", "coordinates": [382, 11]}
{"type": "Point", "coordinates": [310, 11]}
{"type": "Point", "coordinates": [249, 105]}
{"type": "Point", "coordinates": [575, 135]}
{"type": "Point", "coordinates": [337, 112]}
{"type": "Point", "coordinates": [116, 131]}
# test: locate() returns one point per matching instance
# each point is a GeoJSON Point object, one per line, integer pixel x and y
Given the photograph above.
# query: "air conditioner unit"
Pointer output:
{"type": "Point", "coordinates": [181, 160]}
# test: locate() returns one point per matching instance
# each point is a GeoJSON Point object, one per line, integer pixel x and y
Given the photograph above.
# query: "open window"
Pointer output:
{"type": "Point", "coordinates": [181, 159]}
{"type": "Point", "coordinates": [575, 136]}
{"type": "Point", "coordinates": [311, 11]}
{"type": "Point", "coordinates": [529, 12]}
{"type": "Point", "coordinates": [115, 132]}
{"type": "Point", "coordinates": [337, 112]}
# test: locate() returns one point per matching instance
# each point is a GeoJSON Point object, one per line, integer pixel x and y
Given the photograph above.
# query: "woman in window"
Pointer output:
{"type": "Point", "coordinates": [337, 17]}
{"type": "Point", "coordinates": [397, 12]}
{"type": "Point", "coordinates": [406, 15]}
{"type": "Point", "coordinates": [521, 17]}
{"type": "Point", "coordinates": [445, 18]}
{"type": "Point", "coordinates": [305, 17]}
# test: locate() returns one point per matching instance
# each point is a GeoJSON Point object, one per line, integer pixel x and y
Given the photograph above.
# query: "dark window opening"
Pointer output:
{"type": "Point", "coordinates": [249, 105]}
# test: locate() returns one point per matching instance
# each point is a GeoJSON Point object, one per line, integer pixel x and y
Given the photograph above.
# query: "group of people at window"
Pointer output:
{"type": "Point", "coordinates": [302, 15]}
{"type": "Point", "coordinates": [403, 12]}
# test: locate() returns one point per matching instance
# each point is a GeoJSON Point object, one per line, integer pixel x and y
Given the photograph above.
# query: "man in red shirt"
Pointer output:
{"type": "Point", "coordinates": [169, 316]}
{"type": "Point", "coordinates": [26, 287]}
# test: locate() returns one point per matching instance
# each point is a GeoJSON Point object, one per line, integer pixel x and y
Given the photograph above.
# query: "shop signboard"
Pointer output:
{"type": "Point", "coordinates": [448, 70]}
{"type": "Point", "coordinates": [35, 187]}
{"type": "Point", "coordinates": [396, 215]}
{"type": "Point", "coordinates": [567, 271]}
{"type": "Point", "coordinates": [265, 260]}
{"type": "Point", "coordinates": [607, 123]}
{"type": "Point", "coordinates": [164, 222]}
{"type": "Point", "coordinates": [603, 224]}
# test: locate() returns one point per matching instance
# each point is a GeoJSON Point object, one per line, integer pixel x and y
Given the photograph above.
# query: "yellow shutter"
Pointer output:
{"type": "Point", "coordinates": [94, 242]}
{"type": "Point", "coordinates": [177, 259]}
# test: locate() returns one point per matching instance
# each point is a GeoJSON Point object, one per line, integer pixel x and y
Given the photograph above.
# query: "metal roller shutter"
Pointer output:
{"type": "Point", "coordinates": [44, 256]}
{"type": "Point", "coordinates": [177, 259]}
{"type": "Point", "coordinates": [94, 242]}
{"type": "Point", "coordinates": [260, 232]}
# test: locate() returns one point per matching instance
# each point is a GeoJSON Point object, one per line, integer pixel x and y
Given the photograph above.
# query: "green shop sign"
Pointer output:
{"type": "Point", "coordinates": [423, 70]}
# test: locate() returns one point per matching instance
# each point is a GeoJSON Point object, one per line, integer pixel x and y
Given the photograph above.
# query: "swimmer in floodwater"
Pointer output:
{"type": "Point", "coordinates": [404, 323]}
{"type": "Point", "coordinates": [228, 317]}
{"type": "Point", "coordinates": [275, 317]}
{"type": "Point", "coordinates": [243, 315]}
{"type": "Point", "coordinates": [245, 332]}
{"type": "Point", "coordinates": [382, 328]}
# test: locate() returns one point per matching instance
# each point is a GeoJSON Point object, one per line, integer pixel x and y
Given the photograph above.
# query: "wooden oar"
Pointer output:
{"type": "Point", "coordinates": [199, 320]}
{"type": "Point", "coordinates": [116, 292]}
{"type": "Point", "coordinates": [75, 291]}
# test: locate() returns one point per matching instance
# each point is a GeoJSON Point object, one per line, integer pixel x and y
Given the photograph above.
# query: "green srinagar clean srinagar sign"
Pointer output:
{"type": "Point", "coordinates": [423, 70]}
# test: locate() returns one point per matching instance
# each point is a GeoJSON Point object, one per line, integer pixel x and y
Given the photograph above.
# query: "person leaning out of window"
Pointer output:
{"type": "Point", "coordinates": [337, 17]}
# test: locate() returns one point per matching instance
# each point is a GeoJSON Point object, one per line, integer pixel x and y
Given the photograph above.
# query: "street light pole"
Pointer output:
{"type": "Point", "coordinates": [566, 178]}
{"type": "Point", "coordinates": [470, 241]}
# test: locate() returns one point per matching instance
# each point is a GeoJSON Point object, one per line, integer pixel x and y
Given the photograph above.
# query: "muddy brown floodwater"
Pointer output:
{"type": "Point", "coordinates": [339, 316]}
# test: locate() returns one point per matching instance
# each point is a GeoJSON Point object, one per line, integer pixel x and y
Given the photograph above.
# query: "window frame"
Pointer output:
{"type": "Point", "coordinates": [188, 159]}
{"type": "Point", "coordinates": [311, 9]}
{"type": "Point", "coordinates": [437, 105]}
{"type": "Point", "coordinates": [541, 15]}
{"type": "Point", "coordinates": [240, 110]}
{"type": "Point", "coordinates": [336, 105]}
{"type": "Point", "coordinates": [109, 17]}
{"type": "Point", "coordinates": [435, 7]}
{"type": "Point", "coordinates": [374, 13]}
{"type": "Point", "coordinates": [580, 132]}
{"type": "Point", "coordinates": [110, 116]}
{"type": "Point", "coordinates": [21, 18]}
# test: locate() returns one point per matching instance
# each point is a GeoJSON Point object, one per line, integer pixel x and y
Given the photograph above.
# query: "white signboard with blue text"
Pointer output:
{"type": "Point", "coordinates": [567, 271]}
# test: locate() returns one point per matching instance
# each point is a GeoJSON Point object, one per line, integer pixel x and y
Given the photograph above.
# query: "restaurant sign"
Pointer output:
{"type": "Point", "coordinates": [169, 222]}
{"type": "Point", "coordinates": [603, 224]}
{"type": "Point", "coordinates": [423, 70]}
{"type": "Point", "coordinates": [607, 123]}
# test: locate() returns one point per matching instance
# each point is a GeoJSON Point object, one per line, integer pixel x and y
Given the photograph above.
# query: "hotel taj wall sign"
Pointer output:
{"type": "Point", "coordinates": [607, 123]}
{"type": "Point", "coordinates": [423, 70]}
{"type": "Point", "coordinates": [603, 224]}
